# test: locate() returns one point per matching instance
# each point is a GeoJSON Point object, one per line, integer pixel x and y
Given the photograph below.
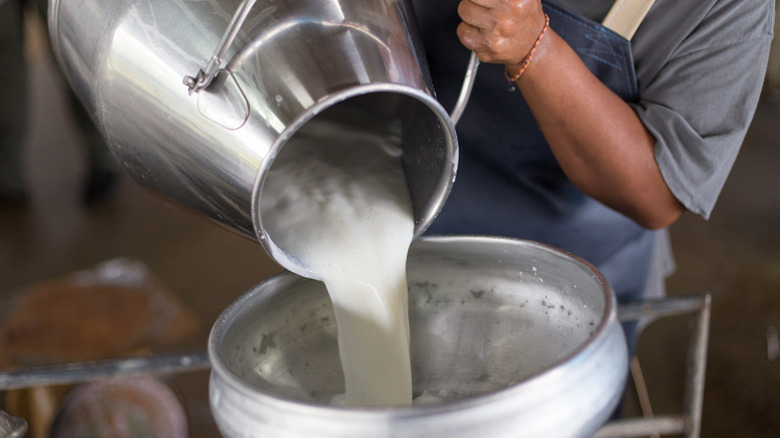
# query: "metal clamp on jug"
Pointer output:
{"type": "Point", "coordinates": [208, 144]}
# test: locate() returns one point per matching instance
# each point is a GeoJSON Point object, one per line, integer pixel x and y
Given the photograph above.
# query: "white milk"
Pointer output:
{"type": "Point", "coordinates": [336, 199]}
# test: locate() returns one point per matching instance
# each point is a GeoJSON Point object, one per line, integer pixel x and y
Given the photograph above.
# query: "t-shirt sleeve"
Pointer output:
{"type": "Point", "coordinates": [700, 104]}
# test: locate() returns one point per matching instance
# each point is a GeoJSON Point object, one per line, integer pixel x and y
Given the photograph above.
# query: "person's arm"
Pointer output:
{"type": "Point", "coordinates": [597, 138]}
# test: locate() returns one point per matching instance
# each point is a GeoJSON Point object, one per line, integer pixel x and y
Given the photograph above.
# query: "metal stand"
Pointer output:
{"type": "Point", "coordinates": [81, 372]}
{"type": "Point", "coordinates": [689, 422]}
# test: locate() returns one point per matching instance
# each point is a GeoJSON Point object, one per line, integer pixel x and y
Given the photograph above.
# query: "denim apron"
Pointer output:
{"type": "Point", "coordinates": [508, 182]}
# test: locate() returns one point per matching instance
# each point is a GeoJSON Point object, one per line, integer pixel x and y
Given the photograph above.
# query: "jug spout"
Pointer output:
{"type": "Point", "coordinates": [359, 155]}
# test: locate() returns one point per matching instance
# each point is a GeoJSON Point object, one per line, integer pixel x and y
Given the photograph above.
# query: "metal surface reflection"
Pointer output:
{"type": "Point", "coordinates": [290, 60]}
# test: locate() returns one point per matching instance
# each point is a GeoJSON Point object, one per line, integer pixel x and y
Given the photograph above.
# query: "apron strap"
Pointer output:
{"type": "Point", "coordinates": [626, 15]}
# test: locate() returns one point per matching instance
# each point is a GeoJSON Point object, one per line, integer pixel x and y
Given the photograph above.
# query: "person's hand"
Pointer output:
{"type": "Point", "coordinates": [500, 31]}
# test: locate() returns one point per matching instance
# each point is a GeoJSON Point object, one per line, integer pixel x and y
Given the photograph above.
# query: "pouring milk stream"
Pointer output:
{"type": "Point", "coordinates": [336, 200]}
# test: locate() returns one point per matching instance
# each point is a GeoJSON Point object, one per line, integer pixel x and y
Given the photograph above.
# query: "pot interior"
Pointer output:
{"type": "Point", "coordinates": [482, 317]}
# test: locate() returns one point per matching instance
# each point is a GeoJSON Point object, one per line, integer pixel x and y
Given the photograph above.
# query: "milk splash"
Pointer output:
{"type": "Point", "coordinates": [336, 199]}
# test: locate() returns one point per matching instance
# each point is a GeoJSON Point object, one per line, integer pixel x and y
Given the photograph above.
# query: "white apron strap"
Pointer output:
{"type": "Point", "coordinates": [626, 16]}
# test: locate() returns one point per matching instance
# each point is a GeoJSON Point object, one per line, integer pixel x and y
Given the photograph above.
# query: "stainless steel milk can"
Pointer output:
{"type": "Point", "coordinates": [134, 64]}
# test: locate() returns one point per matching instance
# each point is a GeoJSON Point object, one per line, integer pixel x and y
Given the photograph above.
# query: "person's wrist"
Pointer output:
{"type": "Point", "coordinates": [514, 71]}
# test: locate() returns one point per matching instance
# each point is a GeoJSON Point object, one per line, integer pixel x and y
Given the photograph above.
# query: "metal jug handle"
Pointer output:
{"type": "Point", "coordinates": [204, 76]}
{"type": "Point", "coordinates": [465, 91]}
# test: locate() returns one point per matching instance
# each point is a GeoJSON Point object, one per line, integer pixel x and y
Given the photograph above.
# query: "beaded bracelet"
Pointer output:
{"type": "Point", "coordinates": [530, 55]}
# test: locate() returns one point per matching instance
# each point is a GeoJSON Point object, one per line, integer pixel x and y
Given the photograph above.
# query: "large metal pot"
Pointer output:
{"type": "Point", "coordinates": [291, 60]}
{"type": "Point", "coordinates": [518, 339]}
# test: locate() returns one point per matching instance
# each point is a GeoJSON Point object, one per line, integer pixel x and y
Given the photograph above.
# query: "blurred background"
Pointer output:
{"type": "Point", "coordinates": [197, 269]}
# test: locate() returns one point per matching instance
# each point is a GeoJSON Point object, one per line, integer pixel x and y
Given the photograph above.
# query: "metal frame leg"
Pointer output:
{"type": "Point", "coordinates": [689, 422]}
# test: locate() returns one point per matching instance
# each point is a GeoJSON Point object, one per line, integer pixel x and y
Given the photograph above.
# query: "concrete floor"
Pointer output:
{"type": "Point", "coordinates": [735, 256]}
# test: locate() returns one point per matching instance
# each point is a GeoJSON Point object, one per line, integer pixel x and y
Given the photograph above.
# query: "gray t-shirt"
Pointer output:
{"type": "Point", "coordinates": [700, 66]}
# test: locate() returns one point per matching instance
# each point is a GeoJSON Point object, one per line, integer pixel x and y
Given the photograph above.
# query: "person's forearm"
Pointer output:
{"type": "Point", "coordinates": [597, 138]}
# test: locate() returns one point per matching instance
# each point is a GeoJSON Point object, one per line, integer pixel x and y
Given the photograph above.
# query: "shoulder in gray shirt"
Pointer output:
{"type": "Point", "coordinates": [700, 66]}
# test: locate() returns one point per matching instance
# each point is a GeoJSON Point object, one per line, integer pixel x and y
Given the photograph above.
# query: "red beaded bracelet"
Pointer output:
{"type": "Point", "coordinates": [530, 55]}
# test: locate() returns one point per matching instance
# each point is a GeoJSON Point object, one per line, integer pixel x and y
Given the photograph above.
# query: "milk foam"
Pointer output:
{"type": "Point", "coordinates": [336, 200]}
